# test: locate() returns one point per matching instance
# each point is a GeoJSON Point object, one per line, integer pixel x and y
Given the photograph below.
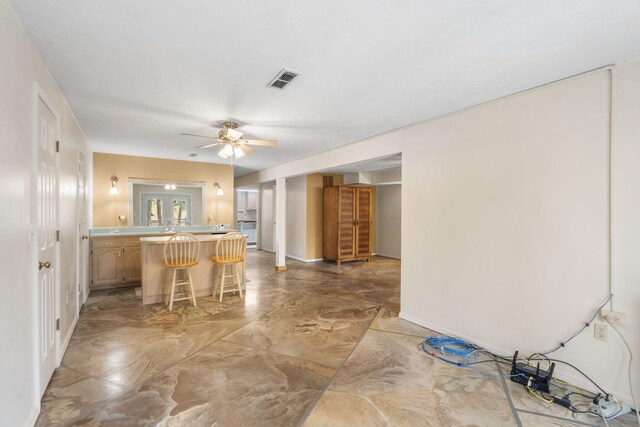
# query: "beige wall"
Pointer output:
{"type": "Point", "coordinates": [106, 208]}
{"type": "Point", "coordinates": [388, 223]}
{"type": "Point", "coordinates": [297, 217]}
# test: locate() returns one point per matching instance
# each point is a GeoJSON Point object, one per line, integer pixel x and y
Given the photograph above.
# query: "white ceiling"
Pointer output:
{"type": "Point", "coordinates": [137, 73]}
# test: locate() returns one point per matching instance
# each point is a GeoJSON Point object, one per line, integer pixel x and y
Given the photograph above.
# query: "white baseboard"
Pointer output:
{"type": "Point", "coordinates": [67, 339]}
{"type": "Point", "coordinates": [303, 259]}
{"type": "Point", "coordinates": [386, 256]}
{"type": "Point", "coordinates": [564, 372]}
{"type": "Point", "coordinates": [33, 417]}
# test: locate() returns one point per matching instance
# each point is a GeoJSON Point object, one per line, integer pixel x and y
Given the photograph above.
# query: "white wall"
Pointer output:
{"type": "Point", "coordinates": [513, 196]}
{"type": "Point", "coordinates": [297, 218]}
{"type": "Point", "coordinates": [388, 220]}
{"type": "Point", "coordinates": [266, 217]}
{"type": "Point", "coordinates": [20, 67]}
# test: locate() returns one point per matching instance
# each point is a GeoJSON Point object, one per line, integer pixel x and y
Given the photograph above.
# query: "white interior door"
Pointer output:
{"type": "Point", "coordinates": [47, 216]}
{"type": "Point", "coordinates": [83, 232]}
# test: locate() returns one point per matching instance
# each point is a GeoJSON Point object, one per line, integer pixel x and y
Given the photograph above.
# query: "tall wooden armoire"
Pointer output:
{"type": "Point", "coordinates": [347, 224]}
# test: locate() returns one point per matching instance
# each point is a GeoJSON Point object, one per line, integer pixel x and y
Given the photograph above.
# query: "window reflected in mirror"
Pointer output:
{"type": "Point", "coordinates": [153, 204]}
{"type": "Point", "coordinates": [154, 212]}
{"type": "Point", "coordinates": [180, 212]}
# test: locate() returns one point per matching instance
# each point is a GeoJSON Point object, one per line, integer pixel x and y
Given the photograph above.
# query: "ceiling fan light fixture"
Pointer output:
{"type": "Point", "coordinates": [238, 152]}
{"type": "Point", "coordinates": [221, 154]}
{"type": "Point", "coordinates": [227, 150]}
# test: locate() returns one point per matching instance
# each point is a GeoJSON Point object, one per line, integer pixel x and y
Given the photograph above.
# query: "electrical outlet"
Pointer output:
{"type": "Point", "coordinates": [615, 317]}
{"type": "Point", "coordinates": [600, 331]}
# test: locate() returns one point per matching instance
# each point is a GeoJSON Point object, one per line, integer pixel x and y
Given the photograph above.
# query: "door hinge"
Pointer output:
{"type": "Point", "coordinates": [58, 324]}
{"type": "Point", "coordinates": [57, 146]}
{"type": "Point", "coordinates": [91, 251]}
{"type": "Point", "coordinates": [92, 281]}
{"type": "Point", "coordinates": [57, 235]}
{"type": "Point", "coordinates": [124, 280]}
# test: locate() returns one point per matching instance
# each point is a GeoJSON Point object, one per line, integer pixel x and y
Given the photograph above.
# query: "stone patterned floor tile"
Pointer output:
{"type": "Point", "coordinates": [387, 382]}
{"type": "Point", "coordinates": [321, 330]}
{"type": "Point", "coordinates": [70, 393]}
{"type": "Point", "coordinates": [224, 385]}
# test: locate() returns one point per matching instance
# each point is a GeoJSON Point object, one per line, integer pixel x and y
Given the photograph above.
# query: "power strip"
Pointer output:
{"type": "Point", "coordinates": [609, 408]}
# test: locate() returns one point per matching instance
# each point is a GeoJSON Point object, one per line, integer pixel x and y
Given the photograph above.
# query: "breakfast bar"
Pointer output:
{"type": "Point", "coordinates": [155, 276]}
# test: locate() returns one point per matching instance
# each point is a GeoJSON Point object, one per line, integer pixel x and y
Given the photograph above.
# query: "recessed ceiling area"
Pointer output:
{"type": "Point", "coordinates": [372, 165]}
{"type": "Point", "coordinates": [138, 73]}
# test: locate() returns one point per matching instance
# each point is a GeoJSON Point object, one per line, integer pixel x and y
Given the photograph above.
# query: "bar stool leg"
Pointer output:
{"type": "Point", "coordinates": [173, 288]}
{"type": "Point", "coordinates": [167, 287]}
{"type": "Point", "coordinates": [224, 270]}
{"type": "Point", "coordinates": [238, 280]}
{"type": "Point", "coordinates": [193, 294]}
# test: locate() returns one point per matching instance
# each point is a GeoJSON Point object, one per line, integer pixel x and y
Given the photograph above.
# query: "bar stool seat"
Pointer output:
{"type": "Point", "coordinates": [230, 251]}
{"type": "Point", "coordinates": [180, 254]}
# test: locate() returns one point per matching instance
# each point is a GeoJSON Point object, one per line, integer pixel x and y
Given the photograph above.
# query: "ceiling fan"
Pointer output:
{"type": "Point", "coordinates": [233, 145]}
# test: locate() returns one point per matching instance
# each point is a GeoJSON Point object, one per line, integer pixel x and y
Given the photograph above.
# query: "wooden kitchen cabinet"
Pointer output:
{"type": "Point", "coordinates": [106, 266]}
{"type": "Point", "coordinates": [115, 261]}
{"type": "Point", "coordinates": [132, 264]}
{"type": "Point", "coordinates": [347, 223]}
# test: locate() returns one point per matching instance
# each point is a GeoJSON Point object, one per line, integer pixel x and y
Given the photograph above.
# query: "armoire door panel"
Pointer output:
{"type": "Point", "coordinates": [346, 243]}
{"type": "Point", "coordinates": [363, 222]}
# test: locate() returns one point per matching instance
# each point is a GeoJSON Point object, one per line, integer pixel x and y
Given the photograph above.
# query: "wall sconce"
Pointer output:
{"type": "Point", "coordinates": [113, 190]}
{"type": "Point", "coordinates": [219, 191]}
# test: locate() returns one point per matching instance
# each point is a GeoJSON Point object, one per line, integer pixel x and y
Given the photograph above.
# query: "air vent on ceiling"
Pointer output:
{"type": "Point", "coordinates": [283, 78]}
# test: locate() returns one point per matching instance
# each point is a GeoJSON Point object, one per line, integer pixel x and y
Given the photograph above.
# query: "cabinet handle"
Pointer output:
{"type": "Point", "coordinates": [119, 253]}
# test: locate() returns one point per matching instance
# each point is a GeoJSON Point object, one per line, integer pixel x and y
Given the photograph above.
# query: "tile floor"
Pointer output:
{"type": "Point", "coordinates": [316, 345]}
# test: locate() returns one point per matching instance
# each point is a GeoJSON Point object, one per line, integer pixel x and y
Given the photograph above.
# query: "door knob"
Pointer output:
{"type": "Point", "coordinates": [46, 264]}
{"type": "Point", "coordinates": [85, 237]}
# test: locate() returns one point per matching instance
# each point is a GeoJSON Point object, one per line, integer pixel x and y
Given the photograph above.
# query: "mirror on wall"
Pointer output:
{"type": "Point", "coordinates": [166, 203]}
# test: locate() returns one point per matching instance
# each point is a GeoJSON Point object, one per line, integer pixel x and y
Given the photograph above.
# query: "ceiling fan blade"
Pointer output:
{"type": "Point", "coordinates": [200, 136]}
{"type": "Point", "coordinates": [263, 142]}
{"type": "Point", "coordinates": [209, 145]}
{"type": "Point", "coordinates": [246, 149]}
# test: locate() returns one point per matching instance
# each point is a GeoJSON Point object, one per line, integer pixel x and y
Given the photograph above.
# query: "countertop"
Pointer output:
{"type": "Point", "coordinates": [156, 231]}
{"type": "Point", "coordinates": [160, 240]}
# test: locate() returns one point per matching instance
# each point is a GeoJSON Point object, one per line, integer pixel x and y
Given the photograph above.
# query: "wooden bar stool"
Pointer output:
{"type": "Point", "coordinates": [181, 253]}
{"type": "Point", "coordinates": [230, 251]}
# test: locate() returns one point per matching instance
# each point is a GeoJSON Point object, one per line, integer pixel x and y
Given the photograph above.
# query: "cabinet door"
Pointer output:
{"type": "Point", "coordinates": [106, 266]}
{"type": "Point", "coordinates": [346, 222]}
{"type": "Point", "coordinates": [132, 264]}
{"type": "Point", "coordinates": [363, 222]}
{"type": "Point", "coordinates": [252, 200]}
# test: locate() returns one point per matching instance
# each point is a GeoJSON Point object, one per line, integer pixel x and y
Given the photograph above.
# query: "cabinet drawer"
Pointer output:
{"type": "Point", "coordinates": [130, 241]}
{"type": "Point", "coordinates": [106, 243]}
